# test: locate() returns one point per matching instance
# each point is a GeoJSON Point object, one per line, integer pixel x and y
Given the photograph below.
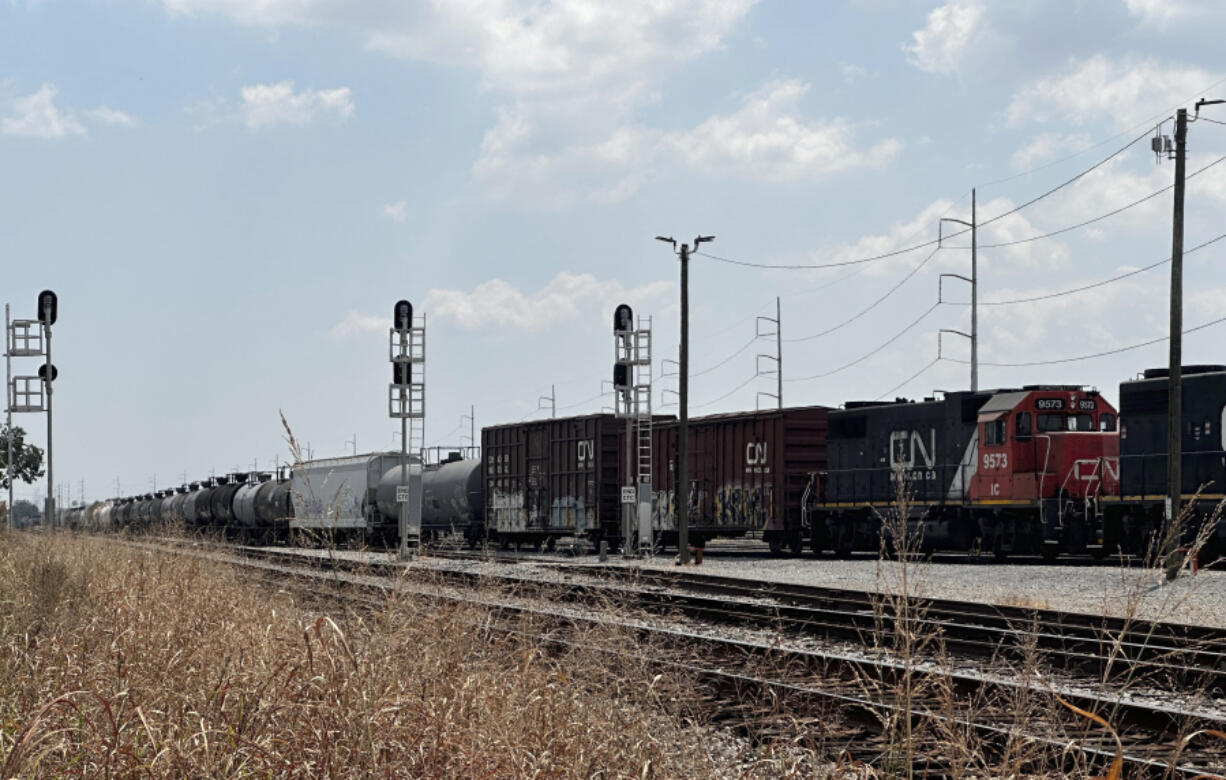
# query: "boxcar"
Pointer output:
{"type": "Point", "coordinates": [547, 479]}
{"type": "Point", "coordinates": [748, 472]}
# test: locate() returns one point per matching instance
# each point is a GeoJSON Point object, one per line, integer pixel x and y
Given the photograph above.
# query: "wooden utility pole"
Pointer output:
{"type": "Point", "coordinates": [1173, 532]}
{"type": "Point", "coordinates": [683, 425]}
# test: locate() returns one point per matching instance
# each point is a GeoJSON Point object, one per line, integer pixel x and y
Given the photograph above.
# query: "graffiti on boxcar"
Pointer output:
{"type": "Point", "coordinates": [730, 505]}
{"type": "Point", "coordinates": [568, 512]}
{"type": "Point", "coordinates": [507, 506]}
{"type": "Point", "coordinates": [739, 505]}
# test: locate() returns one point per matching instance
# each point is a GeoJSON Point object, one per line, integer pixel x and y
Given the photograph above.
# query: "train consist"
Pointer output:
{"type": "Point", "coordinates": [1044, 469]}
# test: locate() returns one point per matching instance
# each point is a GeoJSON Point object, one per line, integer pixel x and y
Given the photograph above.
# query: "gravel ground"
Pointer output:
{"type": "Point", "coordinates": [1098, 590]}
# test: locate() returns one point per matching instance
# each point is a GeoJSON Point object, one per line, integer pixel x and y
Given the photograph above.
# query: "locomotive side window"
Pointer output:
{"type": "Point", "coordinates": [994, 433]}
{"type": "Point", "coordinates": [1106, 422]}
{"type": "Point", "coordinates": [1080, 422]}
{"type": "Point", "coordinates": [1051, 422]}
{"type": "Point", "coordinates": [1022, 427]}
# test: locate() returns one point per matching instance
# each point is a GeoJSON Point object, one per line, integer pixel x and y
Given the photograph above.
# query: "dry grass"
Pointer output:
{"type": "Point", "coordinates": [121, 662]}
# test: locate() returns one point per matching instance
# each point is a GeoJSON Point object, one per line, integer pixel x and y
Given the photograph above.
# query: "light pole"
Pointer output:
{"type": "Point", "coordinates": [683, 425]}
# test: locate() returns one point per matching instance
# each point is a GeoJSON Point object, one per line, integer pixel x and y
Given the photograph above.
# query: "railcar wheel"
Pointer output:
{"type": "Point", "coordinates": [776, 546]}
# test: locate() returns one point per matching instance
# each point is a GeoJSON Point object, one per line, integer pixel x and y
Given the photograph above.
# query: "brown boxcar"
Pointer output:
{"type": "Point", "coordinates": [748, 472]}
{"type": "Point", "coordinates": [550, 478]}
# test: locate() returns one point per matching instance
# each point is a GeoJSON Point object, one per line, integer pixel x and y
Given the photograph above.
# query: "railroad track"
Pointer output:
{"type": "Point", "coordinates": [861, 685]}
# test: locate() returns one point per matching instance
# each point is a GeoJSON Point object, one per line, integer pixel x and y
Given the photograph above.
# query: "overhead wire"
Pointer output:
{"type": "Point", "coordinates": [862, 358]}
{"type": "Point", "coordinates": [1084, 287]}
{"type": "Point", "coordinates": [1146, 123]}
{"type": "Point", "coordinates": [871, 306]}
{"type": "Point", "coordinates": [1099, 218]}
{"type": "Point", "coordinates": [725, 361]}
{"type": "Point", "coordinates": [727, 394]}
{"type": "Point", "coordinates": [1079, 358]}
{"type": "Point", "coordinates": [935, 241]}
{"type": "Point", "coordinates": [443, 438]}
{"type": "Point", "coordinates": [909, 379]}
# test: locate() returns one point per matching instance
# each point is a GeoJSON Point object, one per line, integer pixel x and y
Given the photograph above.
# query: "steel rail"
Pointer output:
{"type": "Point", "coordinates": [1142, 724]}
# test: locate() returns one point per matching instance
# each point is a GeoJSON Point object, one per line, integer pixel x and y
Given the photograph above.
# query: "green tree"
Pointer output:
{"type": "Point", "coordinates": [25, 513]}
{"type": "Point", "coordinates": [27, 458]}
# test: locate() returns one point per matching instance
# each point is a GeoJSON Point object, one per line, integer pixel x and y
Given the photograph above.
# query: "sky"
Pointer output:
{"type": "Point", "coordinates": [228, 197]}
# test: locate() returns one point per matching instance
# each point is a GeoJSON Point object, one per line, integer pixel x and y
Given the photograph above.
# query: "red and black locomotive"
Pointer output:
{"type": "Point", "coordinates": [1008, 471]}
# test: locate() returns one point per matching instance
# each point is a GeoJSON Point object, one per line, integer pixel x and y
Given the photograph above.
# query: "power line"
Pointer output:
{"type": "Point", "coordinates": [1095, 355]}
{"type": "Point", "coordinates": [730, 392]}
{"type": "Point", "coordinates": [1146, 123]}
{"type": "Point", "coordinates": [862, 358]}
{"type": "Point", "coordinates": [1102, 283]}
{"type": "Point", "coordinates": [443, 438]}
{"type": "Point", "coordinates": [905, 250]}
{"type": "Point", "coordinates": [586, 401]}
{"type": "Point", "coordinates": [909, 379]}
{"type": "Point", "coordinates": [872, 305]}
{"type": "Point", "coordinates": [724, 362]}
{"type": "Point", "coordinates": [1099, 218]}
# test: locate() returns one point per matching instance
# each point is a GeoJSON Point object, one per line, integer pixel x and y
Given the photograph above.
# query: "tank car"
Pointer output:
{"type": "Point", "coordinates": [453, 498]}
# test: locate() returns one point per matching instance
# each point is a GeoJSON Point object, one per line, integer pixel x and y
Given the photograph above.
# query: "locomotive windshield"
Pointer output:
{"type": "Point", "coordinates": [1050, 422]}
{"type": "Point", "coordinates": [1080, 422]}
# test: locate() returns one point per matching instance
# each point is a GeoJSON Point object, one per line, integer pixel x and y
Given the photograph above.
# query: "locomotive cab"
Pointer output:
{"type": "Point", "coordinates": [1054, 447]}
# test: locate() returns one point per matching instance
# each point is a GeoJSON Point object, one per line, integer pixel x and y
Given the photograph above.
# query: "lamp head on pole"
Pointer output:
{"type": "Point", "coordinates": [668, 240]}
{"type": "Point", "coordinates": [703, 240]}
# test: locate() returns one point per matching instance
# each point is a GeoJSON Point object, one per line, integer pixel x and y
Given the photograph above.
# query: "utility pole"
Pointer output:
{"type": "Point", "coordinates": [1174, 450]}
{"type": "Point", "coordinates": [779, 351]}
{"type": "Point", "coordinates": [777, 358]}
{"type": "Point", "coordinates": [552, 398]}
{"type": "Point", "coordinates": [683, 424]}
{"type": "Point", "coordinates": [974, 283]}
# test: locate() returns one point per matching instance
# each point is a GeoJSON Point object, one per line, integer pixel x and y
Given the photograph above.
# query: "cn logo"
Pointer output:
{"type": "Point", "coordinates": [587, 454]}
{"type": "Point", "coordinates": [907, 449]}
{"type": "Point", "coordinates": [755, 453]}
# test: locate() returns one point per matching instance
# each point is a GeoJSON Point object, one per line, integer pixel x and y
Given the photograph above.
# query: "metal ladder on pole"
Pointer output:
{"type": "Point", "coordinates": [642, 427]}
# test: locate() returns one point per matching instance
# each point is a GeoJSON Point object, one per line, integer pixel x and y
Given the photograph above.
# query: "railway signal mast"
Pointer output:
{"type": "Point", "coordinates": [632, 401]}
{"type": "Point", "coordinates": [407, 402]}
{"type": "Point", "coordinates": [32, 338]}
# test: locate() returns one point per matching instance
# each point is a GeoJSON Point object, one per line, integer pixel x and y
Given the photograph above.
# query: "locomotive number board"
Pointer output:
{"type": "Point", "coordinates": [1058, 404]}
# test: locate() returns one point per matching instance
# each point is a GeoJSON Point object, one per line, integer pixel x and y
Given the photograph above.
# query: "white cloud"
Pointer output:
{"type": "Point", "coordinates": [37, 116]}
{"type": "Point", "coordinates": [562, 73]}
{"type": "Point", "coordinates": [261, 12]}
{"type": "Point", "coordinates": [110, 116]}
{"type": "Point", "coordinates": [397, 211]}
{"type": "Point", "coordinates": [1048, 146]}
{"type": "Point", "coordinates": [764, 139]}
{"type": "Point", "coordinates": [950, 33]}
{"type": "Point", "coordinates": [356, 322]}
{"type": "Point", "coordinates": [767, 138]}
{"type": "Point", "coordinates": [1127, 90]}
{"type": "Point", "coordinates": [1164, 13]}
{"type": "Point", "coordinates": [499, 304]}
{"type": "Point", "coordinates": [271, 104]}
